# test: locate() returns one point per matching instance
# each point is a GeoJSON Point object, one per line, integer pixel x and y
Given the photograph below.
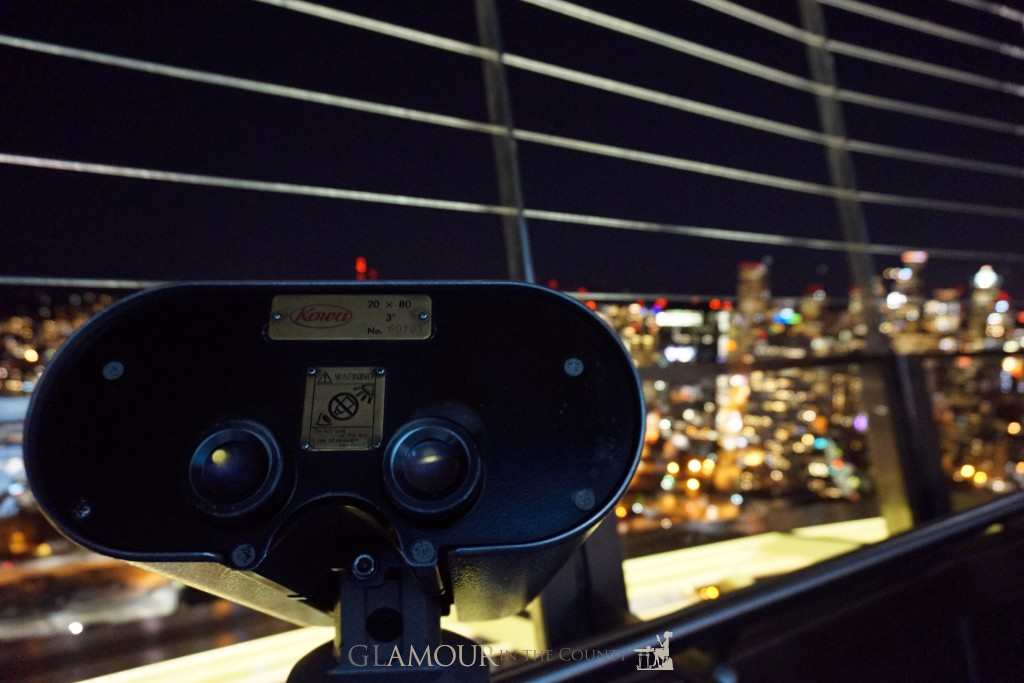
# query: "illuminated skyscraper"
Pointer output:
{"type": "Point", "coordinates": [909, 283]}
{"type": "Point", "coordinates": [752, 294]}
{"type": "Point", "coordinates": [942, 317]}
{"type": "Point", "coordinates": [983, 298]}
{"type": "Point", "coordinates": [812, 307]}
{"type": "Point", "coordinates": [905, 305]}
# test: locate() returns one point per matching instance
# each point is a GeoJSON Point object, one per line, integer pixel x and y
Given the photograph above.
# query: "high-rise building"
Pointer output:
{"type": "Point", "coordinates": [812, 308]}
{"type": "Point", "coordinates": [752, 293]}
{"type": "Point", "coordinates": [983, 299]}
{"type": "Point", "coordinates": [910, 283]}
{"type": "Point", "coordinates": [905, 305]}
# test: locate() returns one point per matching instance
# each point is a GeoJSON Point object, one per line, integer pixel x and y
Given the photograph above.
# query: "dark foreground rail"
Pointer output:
{"type": "Point", "coordinates": [703, 623]}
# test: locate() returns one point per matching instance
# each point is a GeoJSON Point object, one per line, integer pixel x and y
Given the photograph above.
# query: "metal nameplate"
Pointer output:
{"type": "Point", "coordinates": [350, 316]}
{"type": "Point", "coordinates": [344, 409]}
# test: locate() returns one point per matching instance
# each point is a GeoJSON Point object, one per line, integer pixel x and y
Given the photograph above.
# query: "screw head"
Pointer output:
{"type": "Point", "coordinates": [364, 566]}
{"type": "Point", "coordinates": [378, 371]}
{"type": "Point", "coordinates": [113, 370]}
{"type": "Point", "coordinates": [311, 371]}
{"type": "Point", "coordinates": [275, 316]}
{"type": "Point", "coordinates": [306, 445]}
{"type": "Point", "coordinates": [243, 556]}
{"type": "Point", "coordinates": [82, 510]}
{"type": "Point", "coordinates": [573, 367]}
{"type": "Point", "coordinates": [584, 499]}
{"type": "Point", "coordinates": [424, 316]}
{"type": "Point", "coordinates": [423, 551]}
{"type": "Point", "coordinates": [723, 673]}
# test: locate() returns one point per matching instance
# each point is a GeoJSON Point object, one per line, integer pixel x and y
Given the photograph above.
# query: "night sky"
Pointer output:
{"type": "Point", "coordinates": [75, 225]}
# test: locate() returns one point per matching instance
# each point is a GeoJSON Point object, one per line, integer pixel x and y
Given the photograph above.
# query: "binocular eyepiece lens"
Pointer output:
{"type": "Point", "coordinates": [232, 472]}
{"type": "Point", "coordinates": [431, 467]}
{"type": "Point", "coordinates": [234, 469]}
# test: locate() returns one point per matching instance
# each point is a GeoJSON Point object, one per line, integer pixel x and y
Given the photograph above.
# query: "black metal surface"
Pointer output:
{"type": "Point", "coordinates": [388, 628]}
{"type": "Point", "coordinates": [587, 595]}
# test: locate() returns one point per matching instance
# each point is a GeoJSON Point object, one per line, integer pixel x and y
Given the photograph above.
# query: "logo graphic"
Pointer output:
{"type": "Point", "coordinates": [364, 392]}
{"type": "Point", "coordinates": [655, 658]}
{"type": "Point", "coordinates": [322, 316]}
{"type": "Point", "coordinates": [343, 406]}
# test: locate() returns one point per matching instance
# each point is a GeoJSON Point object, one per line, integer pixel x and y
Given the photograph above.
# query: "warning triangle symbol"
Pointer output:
{"type": "Point", "coordinates": [324, 378]}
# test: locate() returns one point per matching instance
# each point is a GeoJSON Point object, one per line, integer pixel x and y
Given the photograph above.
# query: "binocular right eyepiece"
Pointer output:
{"type": "Point", "coordinates": [432, 467]}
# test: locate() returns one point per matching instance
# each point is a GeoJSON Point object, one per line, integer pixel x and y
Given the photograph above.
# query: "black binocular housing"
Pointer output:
{"type": "Point", "coordinates": [254, 439]}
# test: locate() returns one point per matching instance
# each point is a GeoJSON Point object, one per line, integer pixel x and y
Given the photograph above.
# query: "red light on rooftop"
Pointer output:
{"type": "Point", "coordinates": [592, 305]}
{"type": "Point", "coordinates": [660, 302]}
{"type": "Point", "coordinates": [361, 265]}
{"type": "Point", "coordinates": [553, 283]}
{"type": "Point", "coordinates": [715, 304]}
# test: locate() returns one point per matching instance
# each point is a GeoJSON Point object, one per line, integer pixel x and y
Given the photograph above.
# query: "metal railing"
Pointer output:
{"type": "Point", "coordinates": [513, 209]}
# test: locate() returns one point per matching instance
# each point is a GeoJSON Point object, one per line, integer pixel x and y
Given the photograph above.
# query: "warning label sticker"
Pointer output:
{"type": "Point", "coordinates": [344, 409]}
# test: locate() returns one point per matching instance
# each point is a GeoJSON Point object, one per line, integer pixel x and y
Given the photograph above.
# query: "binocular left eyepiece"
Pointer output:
{"type": "Point", "coordinates": [234, 469]}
